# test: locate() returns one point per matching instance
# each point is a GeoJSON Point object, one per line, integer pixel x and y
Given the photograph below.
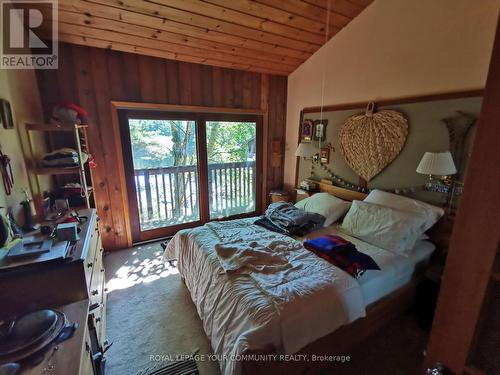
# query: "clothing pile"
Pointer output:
{"type": "Point", "coordinates": [285, 218]}
{"type": "Point", "coordinates": [63, 157]}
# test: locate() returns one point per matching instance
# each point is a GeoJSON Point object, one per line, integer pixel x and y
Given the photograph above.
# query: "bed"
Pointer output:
{"type": "Point", "coordinates": [255, 319]}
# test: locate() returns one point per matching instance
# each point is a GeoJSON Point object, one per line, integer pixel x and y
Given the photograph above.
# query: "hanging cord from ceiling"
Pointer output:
{"type": "Point", "coordinates": [323, 78]}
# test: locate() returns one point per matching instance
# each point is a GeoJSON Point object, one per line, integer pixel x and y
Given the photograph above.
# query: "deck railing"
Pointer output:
{"type": "Point", "coordinates": [168, 196]}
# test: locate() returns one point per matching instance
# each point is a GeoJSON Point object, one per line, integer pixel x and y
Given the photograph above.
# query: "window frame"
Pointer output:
{"type": "Point", "coordinates": [200, 119]}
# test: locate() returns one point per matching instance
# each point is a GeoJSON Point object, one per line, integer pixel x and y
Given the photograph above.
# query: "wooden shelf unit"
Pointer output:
{"type": "Point", "coordinates": [79, 170]}
{"type": "Point", "coordinates": [53, 127]}
{"type": "Point", "coordinates": [56, 171]}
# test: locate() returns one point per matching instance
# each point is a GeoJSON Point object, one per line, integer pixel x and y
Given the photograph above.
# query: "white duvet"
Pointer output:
{"type": "Point", "coordinates": [246, 307]}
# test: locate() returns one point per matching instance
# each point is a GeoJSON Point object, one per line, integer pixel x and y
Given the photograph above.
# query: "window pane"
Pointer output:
{"type": "Point", "coordinates": [165, 170]}
{"type": "Point", "coordinates": [231, 148]}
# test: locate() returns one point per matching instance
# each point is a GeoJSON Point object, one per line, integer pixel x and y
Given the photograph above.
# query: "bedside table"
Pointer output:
{"type": "Point", "coordinates": [303, 194]}
{"type": "Point", "coordinates": [427, 295]}
{"type": "Point", "coordinates": [279, 196]}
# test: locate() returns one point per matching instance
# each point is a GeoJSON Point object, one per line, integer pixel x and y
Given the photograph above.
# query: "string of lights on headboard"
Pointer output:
{"type": "Point", "coordinates": [348, 185]}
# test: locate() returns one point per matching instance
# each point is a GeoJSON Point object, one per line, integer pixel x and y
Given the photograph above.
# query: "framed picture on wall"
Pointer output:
{"type": "Point", "coordinates": [306, 131]}
{"type": "Point", "coordinates": [324, 155]}
{"type": "Point", "coordinates": [6, 114]}
{"type": "Point", "coordinates": [320, 130]}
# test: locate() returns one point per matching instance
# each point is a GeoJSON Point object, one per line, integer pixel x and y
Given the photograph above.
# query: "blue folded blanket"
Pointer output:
{"type": "Point", "coordinates": [341, 253]}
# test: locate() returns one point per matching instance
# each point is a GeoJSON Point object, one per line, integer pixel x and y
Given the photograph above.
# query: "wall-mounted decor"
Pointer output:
{"type": "Point", "coordinates": [459, 127]}
{"type": "Point", "coordinates": [6, 173]}
{"type": "Point", "coordinates": [324, 155]}
{"type": "Point", "coordinates": [306, 130]}
{"type": "Point", "coordinates": [6, 114]}
{"type": "Point", "coordinates": [320, 130]}
{"type": "Point", "coordinates": [370, 142]}
{"type": "Point", "coordinates": [427, 133]}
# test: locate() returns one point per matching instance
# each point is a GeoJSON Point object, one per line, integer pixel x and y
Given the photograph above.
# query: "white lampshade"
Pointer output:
{"type": "Point", "coordinates": [437, 163]}
{"type": "Point", "coordinates": [305, 150]}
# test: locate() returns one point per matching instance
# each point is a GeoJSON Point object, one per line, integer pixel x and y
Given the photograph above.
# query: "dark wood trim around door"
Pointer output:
{"type": "Point", "coordinates": [259, 159]}
{"type": "Point", "coordinates": [137, 234]}
{"type": "Point", "coordinates": [201, 135]}
{"type": "Point", "coordinates": [184, 108]}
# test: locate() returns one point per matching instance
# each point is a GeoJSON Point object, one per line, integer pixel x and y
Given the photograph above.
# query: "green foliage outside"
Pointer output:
{"type": "Point", "coordinates": [167, 143]}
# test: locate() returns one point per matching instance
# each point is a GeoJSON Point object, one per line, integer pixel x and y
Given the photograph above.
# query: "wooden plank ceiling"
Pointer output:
{"type": "Point", "coordinates": [268, 36]}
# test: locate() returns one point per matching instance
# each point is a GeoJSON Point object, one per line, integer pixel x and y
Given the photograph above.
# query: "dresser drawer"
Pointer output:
{"type": "Point", "coordinates": [103, 335]}
{"type": "Point", "coordinates": [98, 316]}
{"type": "Point", "coordinates": [100, 324]}
{"type": "Point", "coordinates": [86, 365]}
{"type": "Point", "coordinates": [95, 287]}
{"type": "Point", "coordinates": [97, 269]}
{"type": "Point", "coordinates": [91, 255]}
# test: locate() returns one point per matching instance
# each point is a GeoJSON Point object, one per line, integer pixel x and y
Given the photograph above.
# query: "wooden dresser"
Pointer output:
{"type": "Point", "coordinates": [74, 285]}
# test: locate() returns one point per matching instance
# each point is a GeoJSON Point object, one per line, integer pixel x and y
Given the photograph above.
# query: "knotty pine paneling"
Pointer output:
{"type": "Point", "coordinates": [92, 77]}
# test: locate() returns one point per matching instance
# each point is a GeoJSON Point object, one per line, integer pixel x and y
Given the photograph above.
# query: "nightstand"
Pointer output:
{"type": "Point", "coordinates": [279, 196]}
{"type": "Point", "coordinates": [440, 234]}
{"type": "Point", "coordinates": [303, 194]}
{"type": "Point", "coordinates": [427, 295]}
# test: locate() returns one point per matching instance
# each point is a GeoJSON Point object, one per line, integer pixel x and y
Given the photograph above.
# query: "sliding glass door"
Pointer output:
{"type": "Point", "coordinates": [183, 169]}
{"type": "Point", "coordinates": [232, 177]}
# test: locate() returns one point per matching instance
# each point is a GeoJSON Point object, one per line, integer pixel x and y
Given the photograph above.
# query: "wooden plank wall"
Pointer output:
{"type": "Point", "coordinates": [92, 77]}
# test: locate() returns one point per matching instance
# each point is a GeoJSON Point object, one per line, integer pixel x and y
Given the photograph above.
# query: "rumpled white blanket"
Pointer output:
{"type": "Point", "coordinates": [255, 256]}
{"type": "Point", "coordinates": [250, 309]}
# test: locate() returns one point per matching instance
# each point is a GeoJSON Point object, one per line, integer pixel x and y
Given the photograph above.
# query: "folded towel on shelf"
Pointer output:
{"type": "Point", "coordinates": [63, 157]}
{"type": "Point", "coordinates": [62, 162]}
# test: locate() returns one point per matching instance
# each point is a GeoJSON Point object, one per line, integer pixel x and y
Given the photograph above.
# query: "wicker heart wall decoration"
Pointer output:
{"type": "Point", "coordinates": [370, 142]}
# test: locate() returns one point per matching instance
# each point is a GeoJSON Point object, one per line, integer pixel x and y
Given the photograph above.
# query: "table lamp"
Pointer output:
{"type": "Point", "coordinates": [438, 164]}
{"type": "Point", "coordinates": [305, 150]}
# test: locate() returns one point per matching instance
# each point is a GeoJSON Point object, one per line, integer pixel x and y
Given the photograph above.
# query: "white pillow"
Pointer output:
{"type": "Point", "coordinates": [332, 208]}
{"type": "Point", "coordinates": [430, 213]}
{"type": "Point", "coordinates": [385, 227]}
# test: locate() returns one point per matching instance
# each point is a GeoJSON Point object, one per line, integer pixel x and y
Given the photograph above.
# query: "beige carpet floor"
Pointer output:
{"type": "Point", "coordinates": [151, 319]}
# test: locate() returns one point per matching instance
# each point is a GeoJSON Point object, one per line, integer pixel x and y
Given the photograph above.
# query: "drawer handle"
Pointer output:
{"type": "Point", "coordinates": [102, 269]}
{"type": "Point", "coordinates": [90, 264]}
{"type": "Point", "coordinates": [94, 306]}
{"type": "Point", "coordinates": [95, 292]}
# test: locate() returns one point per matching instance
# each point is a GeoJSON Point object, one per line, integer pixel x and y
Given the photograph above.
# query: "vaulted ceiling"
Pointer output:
{"type": "Point", "coordinates": [271, 36]}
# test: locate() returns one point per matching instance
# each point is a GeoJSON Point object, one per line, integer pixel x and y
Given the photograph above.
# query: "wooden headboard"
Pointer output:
{"type": "Point", "coordinates": [345, 194]}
